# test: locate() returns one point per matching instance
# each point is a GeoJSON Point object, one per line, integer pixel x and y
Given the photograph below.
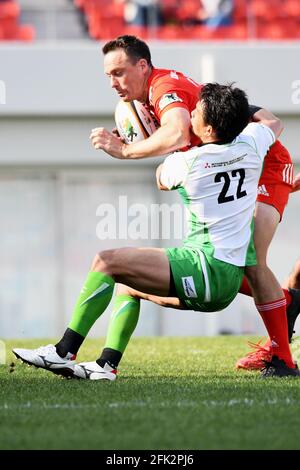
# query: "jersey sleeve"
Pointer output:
{"type": "Point", "coordinates": [166, 97]}
{"type": "Point", "coordinates": [170, 92]}
{"type": "Point", "coordinates": [174, 171]}
{"type": "Point", "coordinates": [261, 138]}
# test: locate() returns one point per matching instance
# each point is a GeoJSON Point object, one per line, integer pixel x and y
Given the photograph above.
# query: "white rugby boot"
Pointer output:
{"type": "Point", "coordinates": [92, 371]}
{"type": "Point", "coordinates": [47, 358]}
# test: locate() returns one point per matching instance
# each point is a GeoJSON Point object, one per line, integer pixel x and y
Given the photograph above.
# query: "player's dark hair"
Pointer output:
{"type": "Point", "coordinates": [134, 48]}
{"type": "Point", "coordinates": [226, 109]}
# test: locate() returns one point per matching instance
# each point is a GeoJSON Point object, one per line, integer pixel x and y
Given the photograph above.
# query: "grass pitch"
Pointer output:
{"type": "Point", "coordinates": [171, 393]}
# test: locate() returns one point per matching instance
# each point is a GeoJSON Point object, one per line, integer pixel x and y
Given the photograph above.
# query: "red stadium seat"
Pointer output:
{"type": "Point", "coordinates": [259, 8]}
{"type": "Point", "coordinates": [188, 10]}
{"type": "Point", "coordinates": [9, 10]}
{"type": "Point", "coordinates": [266, 10]}
{"type": "Point", "coordinates": [291, 8]}
{"type": "Point", "coordinates": [105, 18]}
{"type": "Point", "coordinates": [203, 33]}
{"type": "Point", "coordinates": [9, 13]}
{"type": "Point", "coordinates": [240, 10]}
{"type": "Point", "coordinates": [172, 32]}
{"type": "Point", "coordinates": [169, 9]}
{"type": "Point", "coordinates": [274, 19]}
{"type": "Point", "coordinates": [26, 32]}
{"type": "Point", "coordinates": [290, 28]}
{"type": "Point", "coordinates": [9, 27]}
{"type": "Point", "coordinates": [271, 31]}
{"type": "Point", "coordinates": [236, 32]}
{"type": "Point", "coordinates": [139, 31]}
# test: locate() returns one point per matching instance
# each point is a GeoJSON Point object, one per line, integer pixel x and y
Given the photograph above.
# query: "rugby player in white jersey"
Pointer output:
{"type": "Point", "coordinates": [218, 183]}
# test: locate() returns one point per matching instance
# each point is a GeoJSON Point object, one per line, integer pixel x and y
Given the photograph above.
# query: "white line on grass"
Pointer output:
{"type": "Point", "coordinates": [248, 402]}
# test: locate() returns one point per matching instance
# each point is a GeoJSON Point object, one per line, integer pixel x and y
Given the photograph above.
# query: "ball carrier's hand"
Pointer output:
{"type": "Point", "coordinates": [173, 134]}
{"type": "Point", "coordinates": [102, 139]}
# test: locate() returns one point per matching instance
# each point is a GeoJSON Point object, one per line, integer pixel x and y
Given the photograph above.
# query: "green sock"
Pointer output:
{"type": "Point", "coordinates": [122, 323]}
{"type": "Point", "coordinates": [93, 299]}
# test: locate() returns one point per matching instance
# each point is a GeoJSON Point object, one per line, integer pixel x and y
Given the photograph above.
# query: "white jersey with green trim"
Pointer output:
{"type": "Point", "coordinates": [218, 184]}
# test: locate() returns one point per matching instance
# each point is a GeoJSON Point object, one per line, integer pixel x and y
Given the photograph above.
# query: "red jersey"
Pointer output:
{"type": "Point", "coordinates": [169, 89]}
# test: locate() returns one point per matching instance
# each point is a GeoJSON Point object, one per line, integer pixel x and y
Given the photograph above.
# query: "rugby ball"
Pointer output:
{"type": "Point", "coordinates": [134, 122]}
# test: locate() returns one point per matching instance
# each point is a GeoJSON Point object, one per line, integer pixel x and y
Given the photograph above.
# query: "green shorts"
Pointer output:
{"type": "Point", "coordinates": [202, 282]}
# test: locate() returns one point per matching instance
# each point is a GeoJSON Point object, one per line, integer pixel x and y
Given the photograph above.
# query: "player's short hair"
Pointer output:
{"type": "Point", "coordinates": [134, 48]}
{"type": "Point", "coordinates": [226, 109]}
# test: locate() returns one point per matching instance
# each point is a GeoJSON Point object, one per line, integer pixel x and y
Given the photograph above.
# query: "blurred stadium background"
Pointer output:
{"type": "Point", "coordinates": [53, 92]}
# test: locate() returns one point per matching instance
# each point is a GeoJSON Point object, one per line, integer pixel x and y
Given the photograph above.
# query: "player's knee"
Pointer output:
{"type": "Point", "coordinates": [252, 275]}
{"type": "Point", "coordinates": [103, 261]}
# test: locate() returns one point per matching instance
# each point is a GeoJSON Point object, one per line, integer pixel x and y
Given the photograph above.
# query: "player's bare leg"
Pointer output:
{"type": "Point", "coordinates": [138, 267]}
{"type": "Point", "coordinates": [267, 293]}
{"type": "Point", "coordinates": [265, 286]}
{"type": "Point", "coordinates": [123, 321]}
{"type": "Point", "coordinates": [144, 269]}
